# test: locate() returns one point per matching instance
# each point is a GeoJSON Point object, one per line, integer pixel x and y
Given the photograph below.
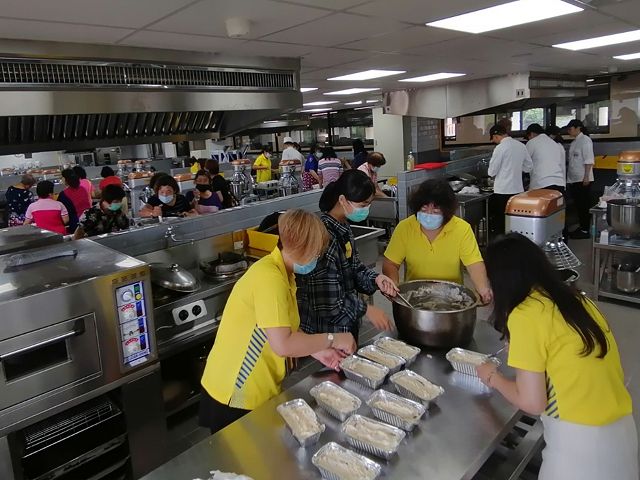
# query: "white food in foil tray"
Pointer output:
{"type": "Point", "coordinates": [377, 355]}
{"type": "Point", "coordinates": [365, 369]}
{"type": "Point", "coordinates": [405, 411]}
{"type": "Point", "coordinates": [301, 419]}
{"type": "Point", "coordinates": [345, 464]}
{"type": "Point", "coordinates": [377, 434]}
{"type": "Point", "coordinates": [396, 347]}
{"type": "Point", "coordinates": [466, 356]}
{"type": "Point", "coordinates": [337, 398]}
{"type": "Point", "coordinates": [418, 385]}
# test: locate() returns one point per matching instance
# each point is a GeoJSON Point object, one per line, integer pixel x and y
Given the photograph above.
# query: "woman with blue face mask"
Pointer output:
{"type": "Point", "coordinates": [167, 201]}
{"type": "Point", "coordinates": [375, 161]}
{"type": "Point", "coordinates": [329, 297]}
{"type": "Point", "coordinates": [435, 244]}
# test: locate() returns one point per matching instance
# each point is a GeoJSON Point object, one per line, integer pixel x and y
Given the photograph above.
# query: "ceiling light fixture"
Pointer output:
{"type": "Point", "coordinates": [373, 101]}
{"type": "Point", "coordinates": [630, 56]}
{"type": "Point", "coordinates": [352, 91]}
{"type": "Point", "coordinates": [433, 77]}
{"type": "Point", "coordinates": [308, 89]}
{"type": "Point", "coordinates": [603, 41]}
{"type": "Point", "coordinates": [315, 104]}
{"type": "Point", "coordinates": [506, 15]}
{"type": "Point", "coordinates": [359, 102]}
{"type": "Point", "coordinates": [363, 108]}
{"type": "Point", "coordinates": [369, 74]}
{"type": "Point", "coordinates": [310, 110]}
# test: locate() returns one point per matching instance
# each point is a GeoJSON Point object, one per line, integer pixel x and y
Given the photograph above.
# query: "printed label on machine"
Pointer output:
{"type": "Point", "coordinates": [133, 324]}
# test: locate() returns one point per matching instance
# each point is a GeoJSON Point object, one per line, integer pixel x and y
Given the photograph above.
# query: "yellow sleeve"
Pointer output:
{"type": "Point", "coordinates": [469, 251]}
{"type": "Point", "coordinates": [272, 302]}
{"type": "Point", "coordinates": [261, 161]}
{"type": "Point", "coordinates": [527, 339]}
{"type": "Point", "coordinates": [397, 249]}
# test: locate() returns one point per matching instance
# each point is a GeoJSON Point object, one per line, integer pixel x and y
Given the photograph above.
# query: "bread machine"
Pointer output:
{"type": "Point", "coordinates": [540, 216]}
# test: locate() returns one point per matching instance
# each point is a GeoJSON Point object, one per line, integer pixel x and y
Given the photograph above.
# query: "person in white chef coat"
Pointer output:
{"type": "Point", "coordinates": [580, 175]}
{"type": "Point", "coordinates": [290, 152]}
{"type": "Point", "coordinates": [509, 161]}
{"type": "Point", "coordinates": [549, 167]}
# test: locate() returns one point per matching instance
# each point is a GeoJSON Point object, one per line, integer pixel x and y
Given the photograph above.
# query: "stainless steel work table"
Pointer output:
{"type": "Point", "coordinates": [450, 443]}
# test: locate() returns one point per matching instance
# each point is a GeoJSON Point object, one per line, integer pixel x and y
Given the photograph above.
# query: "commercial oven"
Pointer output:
{"type": "Point", "coordinates": [76, 323]}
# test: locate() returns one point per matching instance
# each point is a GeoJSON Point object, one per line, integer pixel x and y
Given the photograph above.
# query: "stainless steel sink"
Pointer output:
{"type": "Point", "coordinates": [366, 240]}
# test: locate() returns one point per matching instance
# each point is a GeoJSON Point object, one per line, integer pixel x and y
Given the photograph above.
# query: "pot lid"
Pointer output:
{"type": "Point", "coordinates": [173, 277]}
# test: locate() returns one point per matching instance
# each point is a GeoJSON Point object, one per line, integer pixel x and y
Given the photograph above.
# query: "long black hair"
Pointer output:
{"type": "Point", "coordinates": [516, 266]}
{"type": "Point", "coordinates": [70, 176]}
{"type": "Point", "coordinates": [355, 185]}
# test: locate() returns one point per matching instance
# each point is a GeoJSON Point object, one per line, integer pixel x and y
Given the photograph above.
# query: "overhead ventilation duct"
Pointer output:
{"type": "Point", "coordinates": [464, 98]}
{"type": "Point", "coordinates": [66, 104]}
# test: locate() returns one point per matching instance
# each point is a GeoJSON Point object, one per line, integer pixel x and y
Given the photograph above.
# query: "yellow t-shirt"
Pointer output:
{"type": "Point", "coordinates": [195, 168]}
{"type": "Point", "coordinates": [438, 260]}
{"type": "Point", "coordinates": [263, 175]}
{"type": "Point", "coordinates": [583, 390]}
{"type": "Point", "coordinates": [242, 370]}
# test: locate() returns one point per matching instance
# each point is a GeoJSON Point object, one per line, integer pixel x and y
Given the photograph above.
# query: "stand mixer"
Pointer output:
{"type": "Point", "coordinates": [628, 183]}
{"type": "Point", "coordinates": [288, 183]}
{"type": "Point", "coordinates": [241, 183]}
{"type": "Point", "coordinates": [540, 215]}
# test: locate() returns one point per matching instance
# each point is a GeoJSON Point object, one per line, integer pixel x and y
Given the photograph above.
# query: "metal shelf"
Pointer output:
{"type": "Point", "coordinates": [616, 248]}
{"type": "Point", "coordinates": [602, 268]}
{"type": "Point", "coordinates": [607, 290]}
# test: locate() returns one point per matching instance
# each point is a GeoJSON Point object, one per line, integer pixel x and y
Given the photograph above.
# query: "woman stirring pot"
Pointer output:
{"type": "Point", "coordinates": [567, 365]}
{"type": "Point", "coordinates": [434, 244]}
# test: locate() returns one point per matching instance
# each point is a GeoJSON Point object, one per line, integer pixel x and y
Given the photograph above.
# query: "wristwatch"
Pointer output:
{"type": "Point", "coordinates": [330, 338]}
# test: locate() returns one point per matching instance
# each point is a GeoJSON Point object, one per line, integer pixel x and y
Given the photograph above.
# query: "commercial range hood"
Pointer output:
{"type": "Point", "coordinates": [54, 103]}
{"type": "Point", "coordinates": [506, 92]}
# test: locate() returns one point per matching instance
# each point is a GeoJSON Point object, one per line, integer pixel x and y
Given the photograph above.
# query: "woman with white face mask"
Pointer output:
{"type": "Point", "coordinates": [434, 244]}
{"type": "Point", "coordinates": [375, 160]}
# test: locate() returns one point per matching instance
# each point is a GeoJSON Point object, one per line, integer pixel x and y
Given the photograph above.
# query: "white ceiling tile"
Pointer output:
{"type": "Point", "coordinates": [330, 4]}
{"type": "Point", "coordinates": [337, 29]}
{"type": "Point", "coordinates": [570, 34]}
{"type": "Point", "coordinates": [328, 57]}
{"type": "Point", "coordinates": [118, 13]}
{"type": "Point", "coordinates": [178, 41]}
{"type": "Point", "coordinates": [474, 48]}
{"type": "Point", "coordinates": [624, 10]}
{"type": "Point", "coordinates": [421, 12]}
{"type": "Point", "coordinates": [406, 38]}
{"type": "Point", "coordinates": [208, 17]}
{"type": "Point", "coordinates": [60, 32]}
{"type": "Point", "coordinates": [268, 49]}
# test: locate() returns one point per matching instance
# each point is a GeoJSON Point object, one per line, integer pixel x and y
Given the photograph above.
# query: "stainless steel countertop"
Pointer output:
{"type": "Point", "coordinates": [451, 443]}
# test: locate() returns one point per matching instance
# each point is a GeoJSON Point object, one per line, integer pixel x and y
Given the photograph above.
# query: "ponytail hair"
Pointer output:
{"type": "Point", "coordinates": [355, 185]}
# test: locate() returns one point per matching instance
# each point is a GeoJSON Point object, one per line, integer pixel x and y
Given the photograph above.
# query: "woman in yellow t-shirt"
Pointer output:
{"type": "Point", "coordinates": [433, 243]}
{"type": "Point", "coordinates": [259, 327]}
{"type": "Point", "coordinates": [567, 365]}
{"type": "Point", "coordinates": [262, 165]}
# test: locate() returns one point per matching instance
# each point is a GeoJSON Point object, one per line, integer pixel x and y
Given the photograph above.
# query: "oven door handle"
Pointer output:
{"type": "Point", "coordinates": [41, 344]}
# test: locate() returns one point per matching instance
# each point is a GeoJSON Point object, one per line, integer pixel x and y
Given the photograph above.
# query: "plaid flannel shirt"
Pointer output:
{"type": "Point", "coordinates": [328, 298]}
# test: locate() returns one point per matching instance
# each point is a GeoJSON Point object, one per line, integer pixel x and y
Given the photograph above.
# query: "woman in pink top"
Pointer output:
{"type": "Point", "coordinates": [329, 167]}
{"type": "Point", "coordinates": [47, 213]}
{"type": "Point", "coordinates": [74, 197]}
{"type": "Point", "coordinates": [84, 183]}
{"type": "Point", "coordinates": [375, 160]}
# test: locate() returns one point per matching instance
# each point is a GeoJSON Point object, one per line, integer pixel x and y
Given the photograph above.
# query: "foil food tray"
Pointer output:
{"type": "Point", "coordinates": [370, 469]}
{"type": "Point", "coordinates": [357, 422]}
{"type": "Point", "coordinates": [347, 367]}
{"type": "Point", "coordinates": [335, 390]}
{"type": "Point", "coordinates": [409, 358]}
{"type": "Point", "coordinates": [405, 392]}
{"type": "Point", "coordinates": [369, 352]}
{"type": "Point", "coordinates": [467, 368]}
{"type": "Point", "coordinates": [394, 419]}
{"type": "Point", "coordinates": [303, 440]}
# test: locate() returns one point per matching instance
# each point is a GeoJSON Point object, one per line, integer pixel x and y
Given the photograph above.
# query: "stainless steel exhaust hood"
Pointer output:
{"type": "Point", "coordinates": [464, 98]}
{"type": "Point", "coordinates": [52, 104]}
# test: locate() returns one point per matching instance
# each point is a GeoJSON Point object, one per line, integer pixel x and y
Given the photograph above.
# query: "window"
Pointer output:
{"type": "Point", "coordinates": [521, 120]}
{"type": "Point", "coordinates": [450, 128]}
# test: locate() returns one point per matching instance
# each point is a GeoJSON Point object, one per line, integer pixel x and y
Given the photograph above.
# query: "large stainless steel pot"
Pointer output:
{"type": "Point", "coordinates": [623, 215]}
{"type": "Point", "coordinates": [438, 329]}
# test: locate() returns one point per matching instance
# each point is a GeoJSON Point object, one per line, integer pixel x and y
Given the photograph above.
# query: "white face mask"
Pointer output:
{"type": "Point", "coordinates": [267, 155]}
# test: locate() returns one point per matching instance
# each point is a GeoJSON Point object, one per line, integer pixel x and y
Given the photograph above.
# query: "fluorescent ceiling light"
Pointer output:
{"type": "Point", "coordinates": [369, 74]}
{"type": "Point", "coordinates": [308, 89]}
{"type": "Point", "coordinates": [318, 114]}
{"type": "Point", "coordinates": [433, 77]}
{"type": "Point", "coordinates": [352, 91]}
{"type": "Point", "coordinates": [506, 15]}
{"type": "Point", "coordinates": [373, 101]}
{"type": "Point", "coordinates": [630, 56]}
{"type": "Point", "coordinates": [614, 39]}
{"type": "Point", "coordinates": [309, 110]}
{"type": "Point", "coordinates": [359, 102]}
{"type": "Point", "coordinates": [315, 104]}
{"type": "Point", "coordinates": [589, 80]}
{"type": "Point", "coordinates": [363, 108]}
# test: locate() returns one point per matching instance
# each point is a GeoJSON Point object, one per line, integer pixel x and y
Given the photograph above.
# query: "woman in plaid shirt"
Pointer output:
{"type": "Point", "coordinates": [329, 297]}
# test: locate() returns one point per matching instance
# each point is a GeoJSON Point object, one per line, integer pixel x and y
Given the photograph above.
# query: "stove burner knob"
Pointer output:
{"type": "Point", "coordinates": [127, 296]}
{"type": "Point", "coordinates": [183, 315]}
{"type": "Point", "coordinates": [196, 310]}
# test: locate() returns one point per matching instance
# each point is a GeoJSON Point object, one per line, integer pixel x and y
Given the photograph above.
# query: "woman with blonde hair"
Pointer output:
{"type": "Point", "coordinates": [259, 326]}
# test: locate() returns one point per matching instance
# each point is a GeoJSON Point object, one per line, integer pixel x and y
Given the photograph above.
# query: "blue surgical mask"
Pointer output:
{"type": "Point", "coordinates": [165, 198]}
{"type": "Point", "coordinates": [375, 169]}
{"type": "Point", "coordinates": [115, 207]}
{"type": "Point", "coordinates": [430, 221]}
{"type": "Point", "coordinates": [359, 214]}
{"type": "Point", "coordinates": [306, 268]}
{"type": "Point", "coordinates": [319, 155]}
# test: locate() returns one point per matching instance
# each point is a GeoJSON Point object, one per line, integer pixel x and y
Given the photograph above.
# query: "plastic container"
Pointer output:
{"type": "Point", "coordinates": [261, 241]}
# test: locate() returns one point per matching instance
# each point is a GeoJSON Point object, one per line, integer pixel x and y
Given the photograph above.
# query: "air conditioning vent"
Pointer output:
{"type": "Point", "coordinates": [82, 75]}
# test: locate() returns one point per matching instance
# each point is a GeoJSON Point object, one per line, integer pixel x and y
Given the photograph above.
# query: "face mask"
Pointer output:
{"type": "Point", "coordinates": [359, 214]}
{"type": "Point", "coordinates": [203, 188]}
{"type": "Point", "coordinates": [375, 169]}
{"type": "Point", "coordinates": [165, 198]}
{"type": "Point", "coordinates": [267, 155]}
{"type": "Point", "coordinates": [318, 155]}
{"type": "Point", "coordinates": [115, 207]}
{"type": "Point", "coordinates": [430, 221]}
{"type": "Point", "coordinates": [306, 268]}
